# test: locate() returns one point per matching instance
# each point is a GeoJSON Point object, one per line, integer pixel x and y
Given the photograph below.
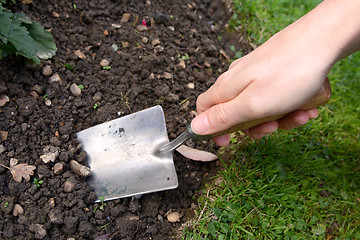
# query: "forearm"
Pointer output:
{"type": "Point", "coordinates": [334, 25]}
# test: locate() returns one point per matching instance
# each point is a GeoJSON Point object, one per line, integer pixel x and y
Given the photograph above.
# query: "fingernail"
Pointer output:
{"type": "Point", "coordinates": [200, 124]}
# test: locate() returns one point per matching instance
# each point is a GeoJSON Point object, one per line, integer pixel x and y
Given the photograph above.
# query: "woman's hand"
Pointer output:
{"type": "Point", "coordinates": [281, 75]}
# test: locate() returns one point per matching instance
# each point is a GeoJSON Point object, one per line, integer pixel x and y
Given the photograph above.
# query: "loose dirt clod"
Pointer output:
{"type": "Point", "coordinates": [39, 231]}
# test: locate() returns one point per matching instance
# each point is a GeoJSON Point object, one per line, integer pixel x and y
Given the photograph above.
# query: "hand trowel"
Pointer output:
{"type": "Point", "coordinates": [132, 155]}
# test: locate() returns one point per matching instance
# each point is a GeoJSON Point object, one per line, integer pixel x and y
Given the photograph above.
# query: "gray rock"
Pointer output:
{"type": "Point", "coordinates": [58, 168]}
{"type": "Point", "coordinates": [97, 97]}
{"type": "Point", "coordinates": [2, 148]}
{"type": "Point", "coordinates": [55, 141]}
{"type": "Point", "coordinates": [69, 185]}
{"type": "Point", "coordinates": [125, 18]}
{"type": "Point", "coordinates": [79, 169]}
{"type": "Point", "coordinates": [39, 231]}
{"type": "Point", "coordinates": [18, 210]}
{"type": "Point", "coordinates": [47, 71]}
{"type": "Point", "coordinates": [75, 90]}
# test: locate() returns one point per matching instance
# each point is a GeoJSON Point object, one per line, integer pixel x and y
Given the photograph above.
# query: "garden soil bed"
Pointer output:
{"type": "Point", "coordinates": [169, 63]}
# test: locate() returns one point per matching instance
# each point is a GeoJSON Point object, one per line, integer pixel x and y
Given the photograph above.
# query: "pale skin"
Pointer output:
{"type": "Point", "coordinates": [282, 74]}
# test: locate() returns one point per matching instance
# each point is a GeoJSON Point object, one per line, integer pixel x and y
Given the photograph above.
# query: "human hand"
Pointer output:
{"type": "Point", "coordinates": [276, 78]}
{"type": "Point", "coordinates": [282, 74]}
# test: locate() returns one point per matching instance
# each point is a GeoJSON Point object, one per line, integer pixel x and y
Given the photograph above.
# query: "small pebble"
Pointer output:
{"type": "Point", "coordinates": [191, 85]}
{"type": "Point", "coordinates": [39, 230]}
{"type": "Point", "coordinates": [79, 169]}
{"type": "Point", "coordinates": [2, 148]}
{"type": "Point", "coordinates": [3, 135]}
{"type": "Point", "coordinates": [58, 168]}
{"type": "Point", "coordinates": [69, 186]}
{"type": "Point", "coordinates": [145, 40]}
{"type": "Point", "coordinates": [155, 42]}
{"type": "Point", "coordinates": [34, 95]}
{"type": "Point", "coordinates": [132, 217]}
{"type": "Point", "coordinates": [97, 96]}
{"type": "Point", "coordinates": [18, 210]}
{"type": "Point", "coordinates": [39, 89]}
{"type": "Point", "coordinates": [79, 54]}
{"type": "Point", "coordinates": [3, 100]}
{"type": "Point", "coordinates": [55, 15]}
{"type": "Point", "coordinates": [168, 75]}
{"type": "Point", "coordinates": [182, 63]}
{"type": "Point", "coordinates": [125, 18]}
{"type": "Point", "coordinates": [106, 32]}
{"type": "Point", "coordinates": [158, 49]}
{"type": "Point", "coordinates": [173, 217]}
{"type": "Point", "coordinates": [75, 90]}
{"type": "Point", "coordinates": [47, 71]}
{"type": "Point", "coordinates": [55, 78]}
{"type": "Point", "coordinates": [104, 63]}
{"type": "Point", "coordinates": [142, 28]}
{"type": "Point", "coordinates": [49, 157]}
{"type": "Point", "coordinates": [51, 203]}
{"type": "Point", "coordinates": [48, 102]}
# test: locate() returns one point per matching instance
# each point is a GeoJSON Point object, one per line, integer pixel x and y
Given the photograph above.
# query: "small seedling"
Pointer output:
{"type": "Point", "coordinates": [45, 97]}
{"type": "Point", "coordinates": [38, 182]}
{"type": "Point", "coordinates": [102, 203]}
{"type": "Point", "coordinates": [81, 86]}
{"type": "Point", "coordinates": [171, 17]}
{"type": "Point", "coordinates": [95, 106]}
{"type": "Point", "coordinates": [106, 67]}
{"type": "Point", "coordinates": [6, 204]}
{"type": "Point", "coordinates": [184, 57]}
{"type": "Point", "coordinates": [74, 6]}
{"type": "Point", "coordinates": [69, 67]}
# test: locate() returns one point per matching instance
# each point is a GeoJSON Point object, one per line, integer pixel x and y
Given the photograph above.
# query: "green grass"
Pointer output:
{"type": "Point", "coordinates": [299, 184]}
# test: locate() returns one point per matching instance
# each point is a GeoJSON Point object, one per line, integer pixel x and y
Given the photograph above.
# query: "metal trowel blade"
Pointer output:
{"type": "Point", "coordinates": [122, 155]}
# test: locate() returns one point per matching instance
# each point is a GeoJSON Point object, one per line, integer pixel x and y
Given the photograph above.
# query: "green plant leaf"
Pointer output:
{"type": "Point", "coordinates": [20, 38]}
{"type": "Point", "coordinates": [5, 20]}
{"type": "Point", "coordinates": [46, 47]}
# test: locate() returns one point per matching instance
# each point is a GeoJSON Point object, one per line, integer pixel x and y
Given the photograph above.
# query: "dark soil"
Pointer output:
{"type": "Point", "coordinates": [142, 74]}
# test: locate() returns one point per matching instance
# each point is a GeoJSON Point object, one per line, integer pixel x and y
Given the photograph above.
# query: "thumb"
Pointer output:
{"type": "Point", "coordinates": [215, 119]}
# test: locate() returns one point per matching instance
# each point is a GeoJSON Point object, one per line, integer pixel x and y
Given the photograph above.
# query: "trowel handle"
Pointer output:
{"type": "Point", "coordinates": [319, 99]}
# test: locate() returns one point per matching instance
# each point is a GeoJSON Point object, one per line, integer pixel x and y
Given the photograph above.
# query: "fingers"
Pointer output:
{"type": "Point", "coordinates": [262, 130]}
{"type": "Point", "coordinates": [222, 140]}
{"type": "Point", "coordinates": [295, 119]}
{"type": "Point", "coordinates": [224, 89]}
